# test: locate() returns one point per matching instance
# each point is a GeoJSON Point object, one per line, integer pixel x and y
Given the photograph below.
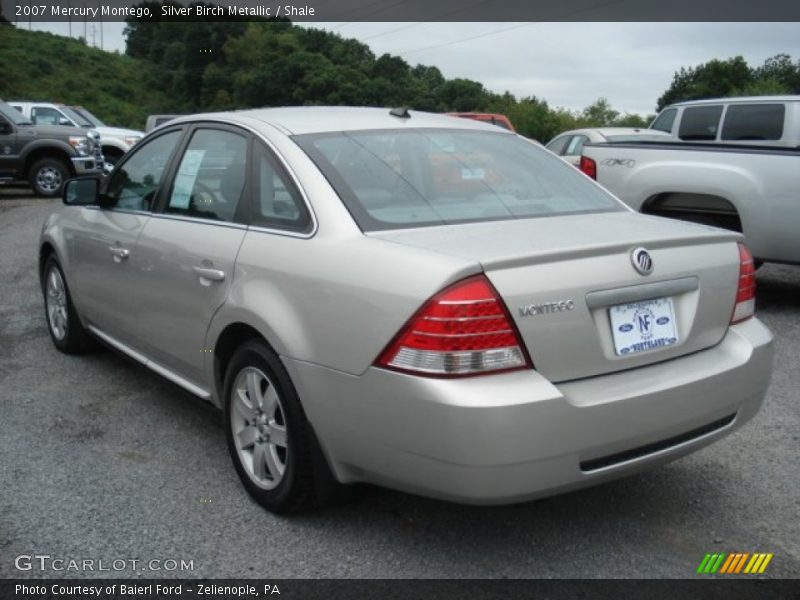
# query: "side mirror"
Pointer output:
{"type": "Point", "coordinates": [82, 191]}
{"type": "Point", "coordinates": [64, 121]}
{"type": "Point", "coordinates": [5, 128]}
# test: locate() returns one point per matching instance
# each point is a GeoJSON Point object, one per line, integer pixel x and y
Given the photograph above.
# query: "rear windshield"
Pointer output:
{"type": "Point", "coordinates": [426, 177]}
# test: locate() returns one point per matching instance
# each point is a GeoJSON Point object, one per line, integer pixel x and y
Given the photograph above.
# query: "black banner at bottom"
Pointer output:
{"type": "Point", "coordinates": [396, 589]}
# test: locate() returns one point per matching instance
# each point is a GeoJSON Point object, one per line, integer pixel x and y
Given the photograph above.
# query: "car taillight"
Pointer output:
{"type": "Point", "coordinates": [589, 167]}
{"type": "Point", "coordinates": [463, 330]}
{"type": "Point", "coordinates": [746, 292]}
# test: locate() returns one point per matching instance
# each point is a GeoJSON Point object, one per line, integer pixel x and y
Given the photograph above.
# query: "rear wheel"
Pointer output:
{"type": "Point", "coordinates": [65, 327]}
{"type": "Point", "coordinates": [47, 177]}
{"type": "Point", "coordinates": [269, 438]}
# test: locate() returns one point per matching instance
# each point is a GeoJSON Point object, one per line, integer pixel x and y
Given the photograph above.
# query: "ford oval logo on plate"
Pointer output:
{"type": "Point", "coordinates": [662, 320]}
{"type": "Point", "coordinates": [625, 327]}
{"type": "Point", "coordinates": [642, 261]}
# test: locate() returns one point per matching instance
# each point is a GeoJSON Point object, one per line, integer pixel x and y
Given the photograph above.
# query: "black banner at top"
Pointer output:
{"type": "Point", "coordinates": [22, 11]}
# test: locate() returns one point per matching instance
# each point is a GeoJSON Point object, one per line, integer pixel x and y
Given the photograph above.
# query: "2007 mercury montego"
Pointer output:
{"type": "Point", "coordinates": [423, 302]}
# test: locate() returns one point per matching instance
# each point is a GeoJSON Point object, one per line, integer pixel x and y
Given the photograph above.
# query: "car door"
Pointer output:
{"type": "Point", "coordinates": [187, 252]}
{"type": "Point", "coordinates": [9, 150]}
{"type": "Point", "coordinates": [101, 241]}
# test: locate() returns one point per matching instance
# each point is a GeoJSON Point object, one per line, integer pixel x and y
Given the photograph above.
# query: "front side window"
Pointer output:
{"type": "Point", "coordinates": [424, 177]}
{"type": "Point", "coordinates": [753, 122]}
{"type": "Point", "coordinates": [700, 123]}
{"type": "Point", "coordinates": [42, 115]}
{"type": "Point", "coordinates": [665, 120]}
{"type": "Point", "coordinates": [211, 176]}
{"type": "Point", "coordinates": [75, 117]}
{"type": "Point", "coordinates": [133, 184]}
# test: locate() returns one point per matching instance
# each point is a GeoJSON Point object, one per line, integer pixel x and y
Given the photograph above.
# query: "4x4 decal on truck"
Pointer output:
{"type": "Point", "coordinates": [613, 162]}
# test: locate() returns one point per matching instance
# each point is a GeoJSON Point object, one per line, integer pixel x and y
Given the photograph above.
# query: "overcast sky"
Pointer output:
{"type": "Point", "coordinates": [567, 64]}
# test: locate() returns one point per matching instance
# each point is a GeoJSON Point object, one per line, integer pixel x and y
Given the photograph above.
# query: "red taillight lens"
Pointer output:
{"type": "Point", "coordinates": [746, 292]}
{"type": "Point", "coordinates": [589, 167]}
{"type": "Point", "coordinates": [463, 330]}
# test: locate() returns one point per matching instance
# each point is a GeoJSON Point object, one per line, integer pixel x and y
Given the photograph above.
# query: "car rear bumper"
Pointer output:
{"type": "Point", "coordinates": [515, 436]}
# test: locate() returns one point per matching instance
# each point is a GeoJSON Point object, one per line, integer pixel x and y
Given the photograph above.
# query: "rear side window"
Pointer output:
{"type": "Point", "coordinates": [576, 145]}
{"type": "Point", "coordinates": [700, 123]}
{"type": "Point", "coordinates": [665, 120]}
{"type": "Point", "coordinates": [557, 145]}
{"type": "Point", "coordinates": [211, 176]}
{"type": "Point", "coordinates": [424, 177]}
{"type": "Point", "coordinates": [753, 122]}
{"type": "Point", "coordinates": [278, 204]}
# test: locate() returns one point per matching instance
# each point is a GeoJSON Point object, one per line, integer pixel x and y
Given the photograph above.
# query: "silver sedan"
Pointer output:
{"type": "Point", "coordinates": [417, 301]}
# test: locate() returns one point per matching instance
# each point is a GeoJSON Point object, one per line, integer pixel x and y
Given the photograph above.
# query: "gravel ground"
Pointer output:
{"type": "Point", "coordinates": [102, 459]}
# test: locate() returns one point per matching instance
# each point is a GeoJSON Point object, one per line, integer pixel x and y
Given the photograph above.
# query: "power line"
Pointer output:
{"type": "Point", "coordinates": [437, 18]}
{"type": "Point", "coordinates": [358, 8]}
{"type": "Point", "coordinates": [517, 26]}
{"type": "Point", "coordinates": [467, 39]}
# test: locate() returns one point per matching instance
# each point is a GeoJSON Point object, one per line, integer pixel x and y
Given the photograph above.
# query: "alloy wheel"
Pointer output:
{"type": "Point", "coordinates": [56, 300]}
{"type": "Point", "coordinates": [258, 425]}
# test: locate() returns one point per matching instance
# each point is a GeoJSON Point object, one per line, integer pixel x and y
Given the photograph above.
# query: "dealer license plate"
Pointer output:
{"type": "Point", "coordinates": [645, 325]}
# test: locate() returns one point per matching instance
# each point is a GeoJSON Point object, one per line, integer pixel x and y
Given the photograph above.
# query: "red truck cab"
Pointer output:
{"type": "Point", "coordinates": [493, 118]}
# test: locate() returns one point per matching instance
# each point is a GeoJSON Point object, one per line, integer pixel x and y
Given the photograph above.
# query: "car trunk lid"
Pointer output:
{"type": "Point", "coordinates": [561, 278]}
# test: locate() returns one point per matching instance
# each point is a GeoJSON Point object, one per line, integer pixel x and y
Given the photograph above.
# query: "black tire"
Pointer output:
{"type": "Point", "coordinates": [47, 177]}
{"type": "Point", "coordinates": [306, 480]}
{"type": "Point", "coordinates": [111, 157]}
{"type": "Point", "coordinates": [66, 330]}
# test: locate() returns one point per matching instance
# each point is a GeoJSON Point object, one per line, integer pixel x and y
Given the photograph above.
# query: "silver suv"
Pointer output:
{"type": "Point", "coordinates": [419, 301]}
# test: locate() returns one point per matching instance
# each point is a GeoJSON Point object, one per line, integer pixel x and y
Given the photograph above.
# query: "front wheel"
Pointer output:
{"type": "Point", "coordinates": [65, 327]}
{"type": "Point", "coordinates": [269, 437]}
{"type": "Point", "coordinates": [47, 177]}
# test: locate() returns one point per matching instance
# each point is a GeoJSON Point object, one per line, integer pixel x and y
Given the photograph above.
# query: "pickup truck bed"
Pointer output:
{"type": "Point", "coordinates": [752, 189]}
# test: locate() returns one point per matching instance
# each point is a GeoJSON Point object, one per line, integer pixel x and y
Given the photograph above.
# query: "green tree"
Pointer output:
{"type": "Point", "coordinates": [716, 78]}
{"type": "Point", "coordinates": [733, 77]}
{"type": "Point", "coordinates": [779, 72]}
{"type": "Point", "coordinates": [599, 114]}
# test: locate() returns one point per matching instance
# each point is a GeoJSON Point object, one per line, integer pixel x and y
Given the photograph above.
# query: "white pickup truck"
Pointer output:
{"type": "Point", "coordinates": [752, 189]}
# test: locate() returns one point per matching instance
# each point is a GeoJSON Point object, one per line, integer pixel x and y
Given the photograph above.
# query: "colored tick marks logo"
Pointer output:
{"type": "Point", "coordinates": [735, 563]}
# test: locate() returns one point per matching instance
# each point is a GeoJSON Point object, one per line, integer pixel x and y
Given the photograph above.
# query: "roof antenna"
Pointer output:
{"type": "Point", "coordinates": [401, 112]}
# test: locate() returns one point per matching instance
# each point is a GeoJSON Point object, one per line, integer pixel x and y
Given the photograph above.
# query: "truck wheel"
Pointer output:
{"type": "Point", "coordinates": [47, 177]}
{"type": "Point", "coordinates": [111, 158]}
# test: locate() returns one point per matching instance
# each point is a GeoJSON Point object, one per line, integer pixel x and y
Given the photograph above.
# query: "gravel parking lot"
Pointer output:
{"type": "Point", "coordinates": [102, 459]}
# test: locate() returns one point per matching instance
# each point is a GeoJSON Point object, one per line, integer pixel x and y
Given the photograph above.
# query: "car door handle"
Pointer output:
{"type": "Point", "coordinates": [210, 274]}
{"type": "Point", "coordinates": [119, 252]}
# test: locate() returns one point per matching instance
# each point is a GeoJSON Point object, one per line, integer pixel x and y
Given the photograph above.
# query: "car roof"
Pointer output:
{"type": "Point", "coordinates": [325, 119]}
{"type": "Point", "coordinates": [748, 99]}
{"type": "Point", "coordinates": [612, 131]}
